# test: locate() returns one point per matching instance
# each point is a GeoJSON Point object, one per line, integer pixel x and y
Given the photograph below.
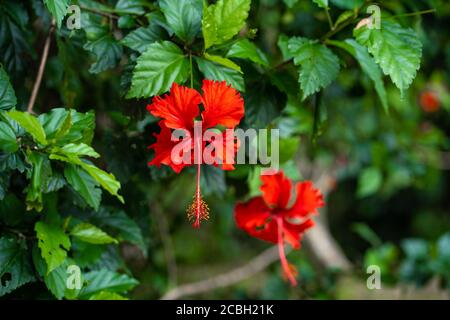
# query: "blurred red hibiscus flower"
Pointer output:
{"type": "Point", "coordinates": [279, 216]}
{"type": "Point", "coordinates": [222, 106]}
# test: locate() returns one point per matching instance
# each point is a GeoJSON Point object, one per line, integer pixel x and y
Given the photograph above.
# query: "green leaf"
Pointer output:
{"type": "Point", "coordinates": [369, 182]}
{"type": "Point", "coordinates": [107, 51]}
{"type": "Point", "coordinates": [261, 109]}
{"type": "Point", "coordinates": [321, 3]}
{"type": "Point", "coordinates": [7, 95]}
{"type": "Point", "coordinates": [105, 280]}
{"type": "Point", "coordinates": [126, 22]}
{"type": "Point", "coordinates": [245, 49]}
{"type": "Point", "coordinates": [84, 184]}
{"type": "Point", "coordinates": [319, 66]}
{"type": "Point", "coordinates": [130, 7]}
{"type": "Point", "coordinates": [54, 183]}
{"type": "Point", "coordinates": [223, 61]}
{"type": "Point", "coordinates": [15, 269]}
{"type": "Point", "coordinates": [54, 244]}
{"type": "Point", "coordinates": [91, 234]}
{"type": "Point", "coordinates": [41, 170]}
{"type": "Point", "coordinates": [367, 64]}
{"type": "Point", "coordinates": [223, 20]}
{"type": "Point", "coordinates": [107, 295]}
{"type": "Point", "coordinates": [8, 142]}
{"type": "Point", "coordinates": [106, 180]}
{"type": "Point", "coordinates": [31, 124]}
{"type": "Point", "coordinates": [397, 50]}
{"type": "Point", "coordinates": [184, 17]}
{"type": "Point", "coordinates": [214, 71]}
{"type": "Point", "coordinates": [58, 9]}
{"type": "Point", "coordinates": [129, 230]}
{"type": "Point", "coordinates": [55, 281]}
{"type": "Point", "coordinates": [141, 38]}
{"type": "Point", "coordinates": [162, 64]}
{"type": "Point", "coordinates": [56, 123]}
{"type": "Point", "coordinates": [13, 36]}
{"type": "Point", "coordinates": [82, 129]}
{"type": "Point", "coordinates": [77, 149]}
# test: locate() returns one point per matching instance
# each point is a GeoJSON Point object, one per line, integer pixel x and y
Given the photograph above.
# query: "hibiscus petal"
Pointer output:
{"type": "Point", "coordinates": [224, 150]}
{"type": "Point", "coordinates": [276, 190]}
{"type": "Point", "coordinates": [252, 214]}
{"type": "Point", "coordinates": [308, 200]}
{"type": "Point", "coordinates": [178, 109]}
{"type": "Point", "coordinates": [293, 233]}
{"type": "Point", "coordinates": [223, 105]}
{"type": "Point", "coordinates": [163, 149]}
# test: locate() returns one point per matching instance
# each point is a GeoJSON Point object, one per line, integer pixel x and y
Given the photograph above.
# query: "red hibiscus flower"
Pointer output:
{"type": "Point", "coordinates": [278, 216]}
{"type": "Point", "coordinates": [180, 110]}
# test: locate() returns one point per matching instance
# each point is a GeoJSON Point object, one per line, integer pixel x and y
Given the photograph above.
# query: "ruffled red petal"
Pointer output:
{"type": "Point", "coordinates": [223, 105]}
{"type": "Point", "coordinates": [163, 149]}
{"type": "Point", "coordinates": [251, 215]}
{"type": "Point", "coordinates": [276, 190]}
{"type": "Point", "coordinates": [178, 109]}
{"type": "Point", "coordinates": [308, 200]}
{"type": "Point", "coordinates": [293, 233]}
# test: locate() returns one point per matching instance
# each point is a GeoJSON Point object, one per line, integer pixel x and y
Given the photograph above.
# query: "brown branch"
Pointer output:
{"type": "Point", "coordinates": [100, 13]}
{"type": "Point", "coordinates": [37, 82]}
{"type": "Point", "coordinates": [234, 276]}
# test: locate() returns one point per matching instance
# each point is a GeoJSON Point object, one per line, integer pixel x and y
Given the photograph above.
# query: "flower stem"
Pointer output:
{"type": "Point", "coordinates": [284, 262]}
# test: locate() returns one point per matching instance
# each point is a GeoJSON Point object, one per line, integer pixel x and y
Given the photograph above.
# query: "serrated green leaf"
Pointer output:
{"type": "Point", "coordinates": [367, 64]}
{"type": "Point", "coordinates": [105, 280]}
{"type": "Point", "coordinates": [7, 95]}
{"type": "Point", "coordinates": [107, 51]}
{"type": "Point", "coordinates": [183, 17]}
{"type": "Point", "coordinates": [106, 180]}
{"type": "Point", "coordinates": [15, 269]}
{"type": "Point", "coordinates": [58, 9]}
{"type": "Point", "coordinates": [84, 184]}
{"type": "Point", "coordinates": [223, 61]}
{"type": "Point", "coordinates": [223, 20]}
{"type": "Point", "coordinates": [245, 49]}
{"type": "Point", "coordinates": [31, 124]}
{"type": "Point", "coordinates": [162, 64]}
{"type": "Point", "coordinates": [91, 234]}
{"type": "Point", "coordinates": [56, 281]}
{"type": "Point", "coordinates": [54, 244]}
{"type": "Point", "coordinates": [397, 50]}
{"type": "Point", "coordinates": [319, 66]}
{"type": "Point", "coordinates": [56, 123]}
{"type": "Point", "coordinates": [218, 72]}
{"type": "Point", "coordinates": [8, 142]}
{"type": "Point", "coordinates": [142, 37]}
{"type": "Point", "coordinates": [82, 129]}
{"type": "Point", "coordinates": [77, 149]}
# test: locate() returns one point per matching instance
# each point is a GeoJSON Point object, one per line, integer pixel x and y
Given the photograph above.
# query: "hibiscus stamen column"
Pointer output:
{"type": "Point", "coordinates": [284, 263]}
{"type": "Point", "coordinates": [198, 210]}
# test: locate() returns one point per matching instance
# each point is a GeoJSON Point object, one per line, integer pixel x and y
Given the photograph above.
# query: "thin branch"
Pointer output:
{"type": "Point", "coordinates": [37, 82]}
{"type": "Point", "coordinates": [229, 278]}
